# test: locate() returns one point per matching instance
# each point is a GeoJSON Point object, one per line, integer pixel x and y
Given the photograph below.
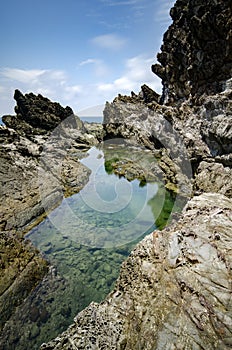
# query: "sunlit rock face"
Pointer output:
{"type": "Point", "coordinates": [173, 291]}
{"type": "Point", "coordinates": [196, 54]}
{"type": "Point", "coordinates": [34, 157]}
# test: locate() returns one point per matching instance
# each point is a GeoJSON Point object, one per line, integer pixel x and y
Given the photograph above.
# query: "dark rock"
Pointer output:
{"type": "Point", "coordinates": [196, 57]}
{"type": "Point", "coordinates": [34, 314]}
{"type": "Point", "coordinates": [44, 315]}
{"type": "Point", "coordinates": [149, 95]}
{"type": "Point", "coordinates": [36, 114]}
{"type": "Point", "coordinates": [174, 290]}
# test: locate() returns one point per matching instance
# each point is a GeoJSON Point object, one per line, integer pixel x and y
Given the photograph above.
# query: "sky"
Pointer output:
{"type": "Point", "coordinates": [80, 53]}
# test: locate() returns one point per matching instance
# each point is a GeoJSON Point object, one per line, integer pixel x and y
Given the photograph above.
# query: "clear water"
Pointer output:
{"type": "Point", "coordinates": [85, 240]}
{"type": "Point", "coordinates": [108, 212]}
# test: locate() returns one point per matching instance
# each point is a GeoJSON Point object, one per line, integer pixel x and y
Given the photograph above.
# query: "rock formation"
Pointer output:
{"type": "Point", "coordinates": [196, 54]}
{"type": "Point", "coordinates": [36, 114]}
{"type": "Point", "coordinates": [174, 290]}
{"type": "Point", "coordinates": [37, 170]}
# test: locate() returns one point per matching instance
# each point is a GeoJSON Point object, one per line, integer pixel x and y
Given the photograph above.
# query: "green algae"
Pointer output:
{"type": "Point", "coordinates": [87, 245]}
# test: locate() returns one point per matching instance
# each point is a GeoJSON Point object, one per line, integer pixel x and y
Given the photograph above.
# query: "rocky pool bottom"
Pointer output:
{"type": "Point", "coordinates": [87, 238]}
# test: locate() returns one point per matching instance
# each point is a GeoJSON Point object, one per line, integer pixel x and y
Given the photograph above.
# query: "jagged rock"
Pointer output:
{"type": "Point", "coordinates": [149, 95]}
{"type": "Point", "coordinates": [43, 154]}
{"type": "Point", "coordinates": [40, 149]}
{"type": "Point", "coordinates": [21, 269]}
{"type": "Point", "coordinates": [189, 133]}
{"type": "Point", "coordinates": [173, 291]}
{"type": "Point", "coordinates": [214, 177]}
{"type": "Point", "coordinates": [196, 57]}
{"type": "Point", "coordinates": [36, 114]}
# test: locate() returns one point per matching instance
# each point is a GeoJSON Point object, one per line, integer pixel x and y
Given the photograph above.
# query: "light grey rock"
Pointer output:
{"type": "Point", "coordinates": [173, 292]}
{"type": "Point", "coordinates": [39, 167]}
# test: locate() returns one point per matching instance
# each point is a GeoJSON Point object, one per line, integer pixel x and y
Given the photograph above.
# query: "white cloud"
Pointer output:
{"type": "Point", "coordinates": [137, 73]}
{"type": "Point", "coordinates": [53, 84]}
{"type": "Point", "coordinates": [100, 68]}
{"type": "Point", "coordinates": [56, 84]}
{"type": "Point", "coordinates": [23, 76]}
{"type": "Point", "coordinates": [109, 41]}
{"type": "Point", "coordinates": [120, 3]}
{"type": "Point", "coordinates": [72, 93]}
{"type": "Point", "coordinates": [162, 15]}
{"type": "Point", "coordinates": [32, 76]}
{"type": "Point", "coordinates": [88, 61]}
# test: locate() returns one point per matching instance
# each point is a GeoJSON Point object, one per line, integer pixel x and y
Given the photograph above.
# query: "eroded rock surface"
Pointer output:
{"type": "Point", "coordinates": [188, 137]}
{"type": "Point", "coordinates": [174, 290]}
{"type": "Point", "coordinates": [196, 57]}
{"type": "Point", "coordinates": [40, 149]}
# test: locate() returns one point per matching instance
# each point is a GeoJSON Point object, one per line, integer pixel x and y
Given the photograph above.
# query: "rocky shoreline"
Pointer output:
{"type": "Point", "coordinates": [37, 171]}
{"type": "Point", "coordinates": [174, 290]}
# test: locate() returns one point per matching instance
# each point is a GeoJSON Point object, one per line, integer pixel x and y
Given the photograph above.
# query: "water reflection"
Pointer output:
{"type": "Point", "coordinates": [109, 211]}
{"type": "Point", "coordinates": [86, 239]}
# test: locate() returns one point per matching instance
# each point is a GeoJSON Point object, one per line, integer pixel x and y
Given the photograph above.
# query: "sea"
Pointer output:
{"type": "Point", "coordinates": [98, 119]}
{"type": "Point", "coordinates": [88, 119]}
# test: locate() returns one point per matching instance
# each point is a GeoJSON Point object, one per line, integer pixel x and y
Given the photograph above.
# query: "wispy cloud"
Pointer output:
{"type": "Point", "coordinates": [23, 76]}
{"type": "Point", "coordinates": [32, 76]}
{"type": "Point", "coordinates": [88, 61]}
{"type": "Point", "coordinates": [100, 67]}
{"type": "Point", "coordinates": [53, 84]}
{"type": "Point", "coordinates": [137, 72]}
{"type": "Point", "coordinates": [56, 85]}
{"type": "Point", "coordinates": [162, 15]}
{"type": "Point", "coordinates": [109, 41]}
{"type": "Point", "coordinates": [121, 3]}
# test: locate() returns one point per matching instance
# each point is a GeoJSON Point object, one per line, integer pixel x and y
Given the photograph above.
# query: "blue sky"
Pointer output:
{"type": "Point", "coordinates": [80, 53]}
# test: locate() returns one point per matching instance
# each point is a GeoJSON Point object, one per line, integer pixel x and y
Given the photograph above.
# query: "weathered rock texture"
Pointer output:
{"type": "Point", "coordinates": [174, 290]}
{"type": "Point", "coordinates": [40, 149]}
{"type": "Point", "coordinates": [36, 114]}
{"type": "Point", "coordinates": [192, 139]}
{"type": "Point", "coordinates": [196, 54]}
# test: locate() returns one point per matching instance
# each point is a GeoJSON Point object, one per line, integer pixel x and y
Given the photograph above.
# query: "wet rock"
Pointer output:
{"type": "Point", "coordinates": [178, 270]}
{"type": "Point", "coordinates": [174, 290]}
{"type": "Point", "coordinates": [39, 167]}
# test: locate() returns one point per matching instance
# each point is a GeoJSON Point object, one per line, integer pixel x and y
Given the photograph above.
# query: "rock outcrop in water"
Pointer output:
{"type": "Point", "coordinates": [174, 291]}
